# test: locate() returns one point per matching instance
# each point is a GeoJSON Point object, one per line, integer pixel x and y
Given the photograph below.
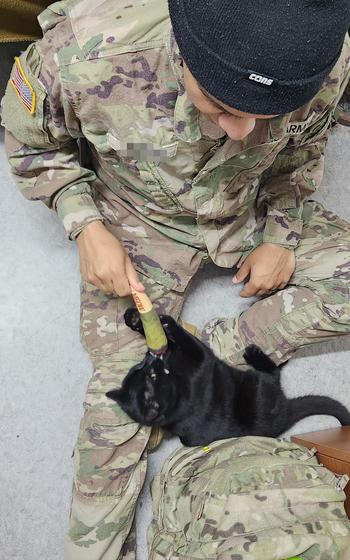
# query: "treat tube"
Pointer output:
{"type": "Point", "coordinates": [155, 336]}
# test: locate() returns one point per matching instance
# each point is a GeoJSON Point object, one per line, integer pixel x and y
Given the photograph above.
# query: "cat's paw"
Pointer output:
{"type": "Point", "coordinates": [170, 326]}
{"type": "Point", "coordinates": [255, 357]}
{"type": "Point", "coordinates": [133, 320]}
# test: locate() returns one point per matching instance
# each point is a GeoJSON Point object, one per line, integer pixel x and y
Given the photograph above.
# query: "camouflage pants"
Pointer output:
{"type": "Point", "coordinates": [111, 451]}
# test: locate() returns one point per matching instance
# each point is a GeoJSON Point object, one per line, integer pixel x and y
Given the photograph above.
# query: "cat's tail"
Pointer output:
{"type": "Point", "coordinates": [301, 407]}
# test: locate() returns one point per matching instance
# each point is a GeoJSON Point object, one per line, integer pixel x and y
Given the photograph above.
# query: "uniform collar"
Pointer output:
{"type": "Point", "coordinates": [278, 126]}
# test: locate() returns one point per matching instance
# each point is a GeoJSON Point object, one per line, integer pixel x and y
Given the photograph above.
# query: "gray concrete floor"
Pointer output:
{"type": "Point", "coordinates": [44, 370]}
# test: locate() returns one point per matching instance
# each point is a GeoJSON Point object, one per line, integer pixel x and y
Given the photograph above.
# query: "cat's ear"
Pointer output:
{"type": "Point", "coordinates": [151, 405]}
{"type": "Point", "coordinates": [115, 395]}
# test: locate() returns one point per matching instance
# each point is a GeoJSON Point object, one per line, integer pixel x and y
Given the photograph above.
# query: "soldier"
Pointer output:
{"type": "Point", "coordinates": [206, 133]}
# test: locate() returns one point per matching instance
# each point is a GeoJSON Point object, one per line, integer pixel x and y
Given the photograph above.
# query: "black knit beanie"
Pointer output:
{"type": "Point", "coordinates": [260, 56]}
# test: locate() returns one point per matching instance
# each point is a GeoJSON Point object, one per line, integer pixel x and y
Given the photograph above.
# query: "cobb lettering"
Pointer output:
{"type": "Point", "coordinates": [261, 79]}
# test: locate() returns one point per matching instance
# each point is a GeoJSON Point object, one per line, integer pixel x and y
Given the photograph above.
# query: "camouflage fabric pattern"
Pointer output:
{"type": "Point", "coordinates": [111, 452]}
{"type": "Point", "coordinates": [313, 307]}
{"type": "Point", "coordinates": [176, 192]}
{"type": "Point", "coordinates": [111, 72]}
{"type": "Point", "coordinates": [343, 109]}
{"type": "Point", "coordinates": [248, 499]}
{"type": "Point", "coordinates": [110, 456]}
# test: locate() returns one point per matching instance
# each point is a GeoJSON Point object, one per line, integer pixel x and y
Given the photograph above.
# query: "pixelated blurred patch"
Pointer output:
{"type": "Point", "coordinates": [23, 88]}
{"type": "Point", "coordinates": [142, 151]}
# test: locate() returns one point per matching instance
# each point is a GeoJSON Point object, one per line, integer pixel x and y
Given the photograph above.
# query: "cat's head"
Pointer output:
{"type": "Point", "coordinates": [148, 394]}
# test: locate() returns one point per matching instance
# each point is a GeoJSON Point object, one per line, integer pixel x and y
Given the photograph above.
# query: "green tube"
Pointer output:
{"type": "Point", "coordinates": [156, 339]}
{"type": "Point", "coordinates": [155, 336]}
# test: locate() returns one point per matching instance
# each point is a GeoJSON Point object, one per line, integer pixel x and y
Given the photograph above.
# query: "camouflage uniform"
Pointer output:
{"type": "Point", "coordinates": [177, 192]}
{"type": "Point", "coordinates": [344, 108]}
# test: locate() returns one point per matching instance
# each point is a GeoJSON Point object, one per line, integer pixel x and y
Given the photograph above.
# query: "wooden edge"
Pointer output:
{"type": "Point", "coordinates": [328, 450]}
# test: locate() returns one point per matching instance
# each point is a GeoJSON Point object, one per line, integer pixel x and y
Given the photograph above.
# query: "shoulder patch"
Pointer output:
{"type": "Point", "coordinates": [23, 88]}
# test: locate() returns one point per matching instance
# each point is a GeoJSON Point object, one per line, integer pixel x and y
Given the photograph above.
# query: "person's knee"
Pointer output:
{"type": "Point", "coordinates": [104, 333]}
{"type": "Point", "coordinates": [109, 444]}
{"type": "Point", "coordinates": [109, 447]}
{"type": "Point", "coordinates": [334, 295]}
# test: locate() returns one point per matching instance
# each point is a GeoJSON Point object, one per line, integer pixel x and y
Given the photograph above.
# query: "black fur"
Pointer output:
{"type": "Point", "coordinates": [198, 397]}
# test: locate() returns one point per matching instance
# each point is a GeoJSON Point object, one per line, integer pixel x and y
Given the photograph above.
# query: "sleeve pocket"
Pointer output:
{"type": "Point", "coordinates": [23, 106]}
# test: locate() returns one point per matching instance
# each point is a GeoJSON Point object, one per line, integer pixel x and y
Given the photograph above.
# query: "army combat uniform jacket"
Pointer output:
{"type": "Point", "coordinates": [111, 73]}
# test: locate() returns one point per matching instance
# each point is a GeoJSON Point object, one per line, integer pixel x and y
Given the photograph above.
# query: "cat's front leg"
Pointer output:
{"type": "Point", "coordinates": [176, 333]}
{"type": "Point", "coordinates": [172, 329]}
{"type": "Point", "coordinates": [183, 339]}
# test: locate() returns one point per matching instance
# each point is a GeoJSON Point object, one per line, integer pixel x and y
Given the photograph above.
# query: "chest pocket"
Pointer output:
{"type": "Point", "coordinates": [135, 164]}
{"type": "Point", "coordinates": [250, 164]}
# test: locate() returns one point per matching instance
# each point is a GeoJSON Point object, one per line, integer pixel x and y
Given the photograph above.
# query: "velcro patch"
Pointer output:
{"type": "Point", "coordinates": [23, 88]}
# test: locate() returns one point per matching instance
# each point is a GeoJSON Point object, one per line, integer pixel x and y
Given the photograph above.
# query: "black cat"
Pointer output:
{"type": "Point", "coordinates": [198, 397]}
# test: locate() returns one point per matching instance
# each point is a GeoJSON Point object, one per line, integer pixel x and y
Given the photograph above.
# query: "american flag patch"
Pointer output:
{"type": "Point", "coordinates": [23, 88]}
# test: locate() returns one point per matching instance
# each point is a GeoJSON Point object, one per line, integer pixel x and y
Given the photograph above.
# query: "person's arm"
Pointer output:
{"type": "Point", "coordinates": [41, 142]}
{"type": "Point", "coordinates": [295, 175]}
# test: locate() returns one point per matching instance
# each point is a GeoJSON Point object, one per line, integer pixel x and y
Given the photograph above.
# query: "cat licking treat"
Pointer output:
{"type": "Point", "coordinates": [195, 395]}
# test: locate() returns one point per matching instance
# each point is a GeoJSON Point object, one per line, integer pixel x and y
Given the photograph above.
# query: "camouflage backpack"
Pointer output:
{"type": "Point", "coordinates": [249, 498]}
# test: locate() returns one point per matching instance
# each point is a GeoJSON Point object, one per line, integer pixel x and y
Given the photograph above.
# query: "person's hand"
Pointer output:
{"type": "Point", "coordinates": [104, 262]}
{"type": "Point", "coordinates": [269, 268]}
